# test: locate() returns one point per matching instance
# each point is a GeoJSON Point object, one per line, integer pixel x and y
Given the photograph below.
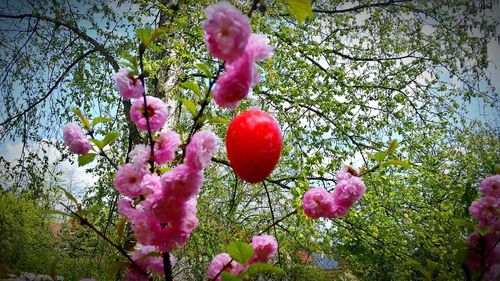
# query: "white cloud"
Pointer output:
{"type": "Point", "coordinates": [73, 178]}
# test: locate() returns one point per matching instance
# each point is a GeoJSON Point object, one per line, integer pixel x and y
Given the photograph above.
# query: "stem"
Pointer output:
{"type": "Point", "coordinates": [146, 113]}
{"type": "Point", "coordinates": [102, 153]}
{"type": "Point", "coordinates": [204, 104]}
{"type": "Point", "coordinates": [272, 217]}
{"type": "Point", "coordinates": [84, 221]}
{"type": "Point", "coordinates": [167, 267]}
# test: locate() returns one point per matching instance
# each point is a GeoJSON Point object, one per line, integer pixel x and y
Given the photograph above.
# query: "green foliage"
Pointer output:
{"type": "Point", "coordinates": [240, 251]}
{"type": "Point", "coordinates": [300, 9]}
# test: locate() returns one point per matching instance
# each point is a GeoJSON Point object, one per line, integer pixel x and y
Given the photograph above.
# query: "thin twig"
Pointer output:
{"type": "Point", "coordinates": [84, 221]}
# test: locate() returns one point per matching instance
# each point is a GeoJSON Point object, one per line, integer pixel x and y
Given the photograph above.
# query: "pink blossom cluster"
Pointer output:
{"type": "Point", "coordinates": [166, 214]}
{"type": "Point", "coordinates": [75, 139]}
{"type": "Point", "coordinates": [130, 87]}
{"type": "Point", "coordinates": [228, 36]}
{"type": "Point", "coordinates": [484, 251]}
{"type": "Point", "coordinates": [153, 263]}
{"type": "Point", "coordinates": [155, 109]}
{"type": "Point", "coordinates": [265, 248]}
{"type": "Point", "coordinates": [319, 203]}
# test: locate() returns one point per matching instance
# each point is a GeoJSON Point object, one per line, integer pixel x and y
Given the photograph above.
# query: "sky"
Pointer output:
{"type": "Point", "coordinates": [75, 178]}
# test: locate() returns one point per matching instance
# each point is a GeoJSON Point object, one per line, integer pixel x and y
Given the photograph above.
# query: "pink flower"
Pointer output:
{"type": "Point", "coordinates": [200, 149]}
{"type": "Point", "coordinates": [227, 31]}
{"type": "Point", "coordinates": [171, 238]}
{"type": "Point", "coordinates": [165, 147]}
{"type": "Point", "coordinates": [349, 191]}
{"type": "Point", "coordinates": [317, 203]}
{"type": "Point", "coordinates": [126, 209]}
{"type": "Point", "coordinates": [343, 174]}
{"type": "Point", "coordinates": [265, 248]}
{"type": "Point", "coordinates": [154, 263]}
{"type": "Point", "coordinates": [129, 87]}
{"type": "Point", "coordinates": [474, 239]}
{"type": "Point", "coordinates": [75, 139]}
{"type": "Point", "coordinates": [258, 47]}
{"type": "Point", "coordinates": [493, 273]}
{"type": "Point", "coordinates": [146, 228]}
{"type": "Point", "coordinates": [491, 186]}
{"type": "Point", "coordinates": [150, 183]}
{"type": "Point", "coordinates": [157, 113]}
{"type": "Point", "coordinates": [486, 210]}
{"type": "Point", "coordinates": [235, 84]}
{"type": "Point", "coordinates": [128, 180]}
{"type": "Point", "coordinates": [219, 263]}
{"type": "Point", "coordinates": [172, 211]}
{"type": "Point", "coordinates": [339, 210]}
{"type": "Point", "coordinates": [140, 155]}
{"type": "Point", "coordinates": [182, 182]}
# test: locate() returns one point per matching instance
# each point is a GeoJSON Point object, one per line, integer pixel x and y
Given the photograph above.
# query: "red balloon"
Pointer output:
{"type": "Point", "coordinates": [253, 144]}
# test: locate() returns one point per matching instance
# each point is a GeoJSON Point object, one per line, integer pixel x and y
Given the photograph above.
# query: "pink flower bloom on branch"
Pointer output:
{"type": "Point", "coordinates": [486, 210]}
{"type": "Point", "coordinates": [227, 31]}
{"type": "Point", "coordinates": [265, 248]}
{"type": "Point", "coordinates": [128, 180]}
{"type": "Point", "coordinates": [75, 139]}
{"type": "Point", "coordinates": [317, 203]}
{"type": "Point", "coordinates": [491, 186]}
{"type": "Point", "coordinates": [165, 146]}
{"type": "Point", "coordinates": [150, 184]}
{"type": "Point", "coordinates": [157, 113]}
{"type": "Point", "coordinates": [235, 84]}
{"type": "Point", "coordinates": [146, 228]}
{"type": "Point", "coordinates": [129, 87]}
{"type": "Point", "coordinates": [258, 47]}
{"type": "Point", "coordinates": [140, 155]}
{"type": "Point", "coordinates": [154, 263]}
{"type": "Point", "coordinates": [183, 182]}
{"type": "Point", "coordinates": [200, 149]}
{"type": "Point", "coordinates": [219, 263]}
{"type": "Point", "coordinates": [347, 192]}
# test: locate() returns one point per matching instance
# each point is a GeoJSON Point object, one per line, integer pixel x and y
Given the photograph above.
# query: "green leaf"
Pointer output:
{"type": "Point", "coordinates": [98, 120]}
{"type": "Point", "coordinates": [240, 251]}
{"type": "Point", "coordinates": [193, 87]}
{"type": "Point", "coordinates": [380, 156]}
{"type": "Point", "coordinates": [110, 137]}
{"type": "Point", "coordinates": [119, 229]}
{"type": "Point", "coordinates": [397, 162]}
{"type": "Point", "coordinates": [156, 33]}
{"type": "Point", "coordinates": [68, 195]}
{"type": "Point", "coordinates": [226, 276]}
{"type": "Point", "coordinates": [85, 159]}
{"type": "Point", "coordinates": [144, 34]}
{"type": "Point", "coordinates": [392, 147]}
{"type": "Point", "coordinates": [218, 120]}
{"type": "Point", "coordinates": [98, 143]}
{"type": "Point", "coordinates": [133, 61]}
{"type": "Point", "coordinates": [190, 106]}
{"type": "Point", "coordinates": [415, 264]}
{"type": "Point", "coordinates": [257, 268]}
{"type": "Point", "coordinates": [85, 120]}
{"type": "Point", "coordinates": [482, 230]}
{"type": "Point", "coordinates": [204, 68]}
{"type": "Point", "coordinates": [300, 9]}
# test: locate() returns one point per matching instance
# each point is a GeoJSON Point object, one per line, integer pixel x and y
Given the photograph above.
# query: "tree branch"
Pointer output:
{"type": "Point", "coordinates": [44, 97]}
